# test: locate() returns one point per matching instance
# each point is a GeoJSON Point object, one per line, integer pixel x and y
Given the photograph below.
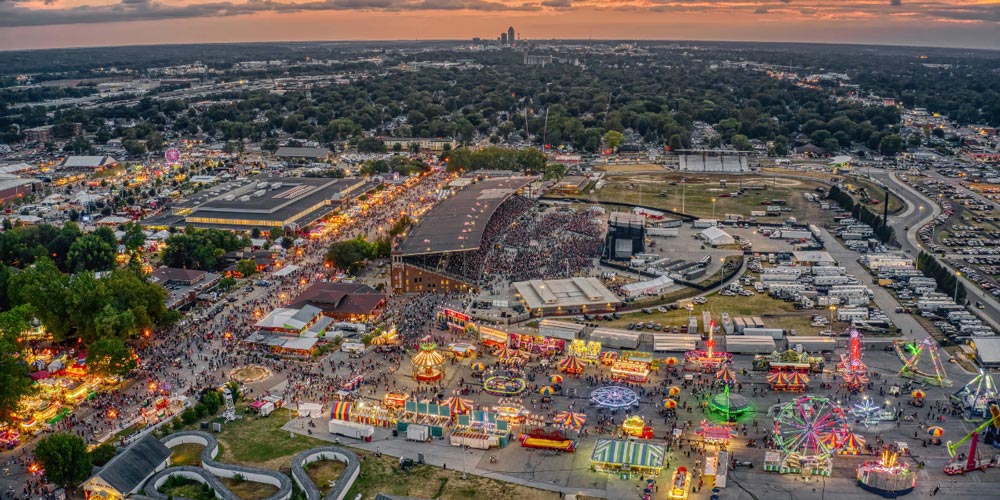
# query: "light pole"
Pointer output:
{"type": "Point", "coordinates": [722, 272]}
{"type": "Point", "coordinates": [958, 274]}
{"type": "Point", "coordinates": [832, 308]}
{"type": "Point", "coordinates": [713, 208]}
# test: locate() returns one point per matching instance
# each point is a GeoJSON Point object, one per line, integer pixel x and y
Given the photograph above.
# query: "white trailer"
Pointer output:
{"type": "Point", "coordinates": [352, 429]}
{"type": "Point", "coordinates": [750, 345]}
{"type": "Point", "coordinates": [416, 432]}
{"type": "Point", "coordinates": [774, 333]}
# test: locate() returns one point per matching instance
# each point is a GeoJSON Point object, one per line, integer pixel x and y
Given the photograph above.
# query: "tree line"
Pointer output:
{"type": "Point", "coordinates": [944, 277]}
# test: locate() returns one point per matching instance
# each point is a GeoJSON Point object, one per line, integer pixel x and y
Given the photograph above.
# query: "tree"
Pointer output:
{"type": "Point", "coordinates": [740, 142]}
{"type": "Point", "coordinates": [675, 143]}
{"type": "Point", "coordinates": [891, 145]}
{"type": "Point", "coordinates": [14, 380]}
{"type": "Point", "coordinates": [110, 356]}
{"type": "Point", "coordinates": [65, 459]}
{"type": "Point", "coordinates": [102, 454]}
{"type": "Point", "coordinates": [532, 160]}
{"type": "Point", "coordinates": [134, 147]}
{"type": "Point", "coordinates": [349, 254]}
{"type": "Point", "coordinates": [90, 253]}
{"type": "Point", "coordinates": [246, 268]}
{"type": "Point", "coordinates": [287, 243]}
{"type": "Point", "coordinates": [613, 139]}
{"type": "Point", "coordinates": [134, 237]}
{"type": "Point", "coordinates": [371, 145]}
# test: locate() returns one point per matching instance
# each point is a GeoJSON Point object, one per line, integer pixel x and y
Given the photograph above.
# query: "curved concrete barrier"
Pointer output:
{"type": "Point", "coordinates": [211, 470]}
{"type": "Point", "coordinates": [343, 483]}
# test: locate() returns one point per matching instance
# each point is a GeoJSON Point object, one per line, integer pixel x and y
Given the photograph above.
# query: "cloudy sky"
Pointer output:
{"type": "Point", "coordinates": [69, 23]}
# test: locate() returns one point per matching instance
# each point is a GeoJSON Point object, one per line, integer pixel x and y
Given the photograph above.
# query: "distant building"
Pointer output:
{"type": "Point", "coordinates": [510, 36]}
{"type": "Point", "coordinates": [293, 153]}
{"type": "Point", "coordinates": [13, 187]}
{"type": "Point", "coordinates": [88, 163]}
{"type": "Point", "coordinates": [38, 134]}
{"type": "Point", "coordinates": [503, 38]}
{"type": "Point", "coordinates": [425, 144]}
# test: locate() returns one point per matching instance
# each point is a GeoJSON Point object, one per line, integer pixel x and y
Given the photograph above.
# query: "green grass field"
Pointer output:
{"type": "Point", "coordinates": [248, 490]}
{"type": "Point", "coordinates": [695, 195]}
{"type": "Point", "coordinates": [186, 454]}
{"type": "Point", "coordinates": [260, 442]}
{"type": "Point", "coordinates": [323, 472]}
{"type": "Point", "coordinates": [775, 313]}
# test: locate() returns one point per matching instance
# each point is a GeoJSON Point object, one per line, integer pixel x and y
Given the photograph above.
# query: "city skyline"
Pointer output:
{"type": "Point", "coordinates": [75, 23]}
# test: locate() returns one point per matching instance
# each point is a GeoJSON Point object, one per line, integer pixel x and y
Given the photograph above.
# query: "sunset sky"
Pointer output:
{"type": "Point", "coordinates": [69, 23]}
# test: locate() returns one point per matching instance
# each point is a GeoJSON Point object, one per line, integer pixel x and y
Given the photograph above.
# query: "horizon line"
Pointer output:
{"type": "Point", "coordinates": [468, 40]}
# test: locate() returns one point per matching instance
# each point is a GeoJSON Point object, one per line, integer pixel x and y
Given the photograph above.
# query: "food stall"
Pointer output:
{"type": "Point", "coordinates": [373, 415]}
{"type": "Point", "coordinates": [635, 426]}
{"type": "Point", "coordinates": [536, 344]}
{"type": "Point", "coordinates": [491, 337]}
{"type": "Point", "coordinates": [395, 401]}
{"type": "Point", "coordinates": [631, 371]}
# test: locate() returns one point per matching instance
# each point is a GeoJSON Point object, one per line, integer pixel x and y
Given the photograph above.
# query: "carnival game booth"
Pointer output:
{"type": "Point", "coordinates": [481, 430]}
{"type": "Point", "coordinates": [434, 417]}
{"type": "Point", "coordinates": [388, 340]}
{"type": "Point", "coordinates": [374, 415]}
{"type": "Point", "coordinates": [628, 458]}
{"type": "Point", "coordinates": [587, 350]}
{"type": "Point", "coordinates": [395, 400]}
{"type": "Point", "coordinates": [635, 426]}
{"type": "Point", "coordinates": [537, 345]}
{"type": "Point", "coordinates": [493, 338]}
{"type": "Point", "coordinates": [9, 438]}
{"type": "Point", "coordinates": [630, 371]}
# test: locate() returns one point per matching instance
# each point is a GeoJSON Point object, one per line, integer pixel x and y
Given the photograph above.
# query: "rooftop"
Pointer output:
{"type": "Point", "coordinates": [572, 292]}
{"type": "Point", "coordinates": [293, 152]}
{"type": "Point", "coordinates": [340, 298]}
{"type": "Point", "coordinates": [130, 468]}
{"type": "Point", "coordinates": [457, 223]}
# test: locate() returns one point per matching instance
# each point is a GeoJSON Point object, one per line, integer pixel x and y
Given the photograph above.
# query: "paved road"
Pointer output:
{"type": "Point", "coordinates": [914, 218]}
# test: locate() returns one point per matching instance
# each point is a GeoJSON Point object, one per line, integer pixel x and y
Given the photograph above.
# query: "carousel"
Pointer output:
{"type": "Point", "coordinates": [428, 364]}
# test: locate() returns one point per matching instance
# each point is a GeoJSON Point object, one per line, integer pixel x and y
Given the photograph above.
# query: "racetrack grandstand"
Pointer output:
{"type": "Point", "coordinates": [445, 250]}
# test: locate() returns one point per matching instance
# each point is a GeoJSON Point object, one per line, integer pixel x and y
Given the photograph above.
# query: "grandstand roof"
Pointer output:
{"type": "Point", "coordinates": [457, 223]}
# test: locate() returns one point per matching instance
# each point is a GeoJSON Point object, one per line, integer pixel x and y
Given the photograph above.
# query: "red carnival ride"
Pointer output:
{"type": "Point", "coordinates": [707, 361]}
{"type": "Point", "coordinates": [851, 368]}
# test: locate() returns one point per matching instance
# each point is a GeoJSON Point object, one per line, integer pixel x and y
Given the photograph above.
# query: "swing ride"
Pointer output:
{"type": "Point", "coordinates": [909, 353]}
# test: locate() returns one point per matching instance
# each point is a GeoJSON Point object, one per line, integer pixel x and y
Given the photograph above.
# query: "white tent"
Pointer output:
{"type": "Point", "coordinates": [715, 237]}
{"type": "Point", "coordinates": [313, 410]}
{"type": "Point", "coordinates": [654, 286]}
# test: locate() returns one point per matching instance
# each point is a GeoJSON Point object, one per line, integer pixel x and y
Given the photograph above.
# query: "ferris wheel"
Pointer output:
{"type": "Point", "coordinates": [810, 428]}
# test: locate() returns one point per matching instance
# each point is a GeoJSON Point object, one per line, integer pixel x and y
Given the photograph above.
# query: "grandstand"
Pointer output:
{"type": "Point", "coordinates": [445, 250]}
